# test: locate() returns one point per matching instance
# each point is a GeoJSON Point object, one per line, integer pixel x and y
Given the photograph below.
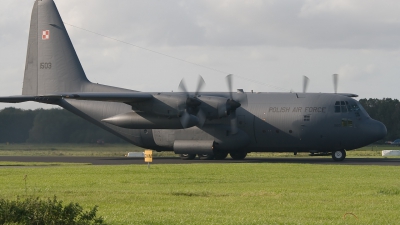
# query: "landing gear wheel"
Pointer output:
{"type": "Point", "coordinates": [206, 156]}
{"type": "Point", "coordinates": [220, 155]}
{"type": "Point", "coordinates": [187, 156]}
{"type": "Point", "coordinates": [339, 155]}
{"type": "Point", "coordinates": [238, 155]}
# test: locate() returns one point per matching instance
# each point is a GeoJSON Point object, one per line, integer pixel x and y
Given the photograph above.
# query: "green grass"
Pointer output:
{"type": "Point", "coordinates": [219, 193]}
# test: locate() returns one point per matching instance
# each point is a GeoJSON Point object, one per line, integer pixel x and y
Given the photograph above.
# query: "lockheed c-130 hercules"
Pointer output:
{"type": "Point", "coordinates": [208, 124]}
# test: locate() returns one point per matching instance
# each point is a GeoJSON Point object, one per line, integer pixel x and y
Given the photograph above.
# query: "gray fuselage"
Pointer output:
{"type": "Point", "coordinates": [273, 122]}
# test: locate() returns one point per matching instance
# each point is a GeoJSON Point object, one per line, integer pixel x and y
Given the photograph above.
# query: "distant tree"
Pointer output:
{"type": "Point", "coordinates": [15, 125]}
{"type": "Point", "coordinates": [49, 126]}
{"type": "Point", "coordinates": [61, 126]}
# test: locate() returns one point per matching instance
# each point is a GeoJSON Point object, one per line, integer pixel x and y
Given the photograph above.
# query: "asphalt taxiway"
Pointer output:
{"type": "Point", "coordinates": [175, 160]}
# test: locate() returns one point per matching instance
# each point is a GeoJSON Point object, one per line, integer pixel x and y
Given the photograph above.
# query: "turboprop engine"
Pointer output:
{"type": "Point", "coordinates": [167, 112]}
{"type": "Point", "coordinates": [134, 120]}
{"type": "Point", "coordinates": [178, 110]}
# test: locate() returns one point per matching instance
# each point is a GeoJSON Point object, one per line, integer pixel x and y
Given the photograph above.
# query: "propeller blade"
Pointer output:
{"type": "Point", "coordinates": [335, 82]}
{"type": "Point", "coordinates": [202, 118]}
{"type": "Point", "coordinates": [185, 119]}
{"type": "Point", "coordinates": [200, 84]}
{"type": "Point", "coordinates": [229, 82]}
{"type": "Point", "coordinates": [232, 105]}
{"type": "Point", "coordinates": [234, 128]}
{"type": "Point", "coordinates": [305, 83]}
{"type": "Point", "coordinates": [182, 87]}
{"type": "Point", "coordinates": [188, 120]}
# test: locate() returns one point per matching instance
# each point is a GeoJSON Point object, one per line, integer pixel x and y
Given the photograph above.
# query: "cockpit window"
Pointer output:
{"type": "Point", "coordinates": [362, 110]}
{"type": "Point", "coordinates": [343, 107]}
{"type": "Point", "coordinates": [350, 107]}
{"type": "Point", "coordinates": [354, 108]}
{"type": "Point", "coordinates": [337, 107]}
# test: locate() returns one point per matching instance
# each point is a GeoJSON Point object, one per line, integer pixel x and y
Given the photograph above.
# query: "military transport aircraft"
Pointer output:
{"type": "Point", "coordinates": [208, 124]}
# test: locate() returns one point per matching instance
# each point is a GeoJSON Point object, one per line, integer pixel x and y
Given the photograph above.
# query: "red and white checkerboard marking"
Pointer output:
{"type": "Point", "coordinates": [46, 35]}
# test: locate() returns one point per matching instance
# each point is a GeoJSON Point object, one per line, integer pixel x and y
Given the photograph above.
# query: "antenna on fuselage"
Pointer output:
{"type": "Point", "coordinates": [335, 82]}
{"type": "Point", "coordinates": [305, 83]}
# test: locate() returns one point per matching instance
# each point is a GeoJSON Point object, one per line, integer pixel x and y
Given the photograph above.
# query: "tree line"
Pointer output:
{"type": "Point", "coordinates": [387, 111]}
{"type": "Point", "coordinates": [61, 126]}
{"type": "Point", "coordinates": [49, 126]}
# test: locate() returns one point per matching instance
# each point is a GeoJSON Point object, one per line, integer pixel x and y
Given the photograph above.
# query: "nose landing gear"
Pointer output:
{"type": "Point", "coordinates": [339, 155]}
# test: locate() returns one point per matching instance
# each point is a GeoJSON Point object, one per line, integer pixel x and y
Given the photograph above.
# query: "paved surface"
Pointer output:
{"type": "Point", "coordinates": [174, 160]}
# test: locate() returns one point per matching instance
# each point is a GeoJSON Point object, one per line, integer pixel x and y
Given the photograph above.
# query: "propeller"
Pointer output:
{"type": "Point", "coordinates": [231, 106]}
{"type": "Point", "coordinates": [305, 83]}
{"type": "Point", "coordinates": [335, 82]}
{"type": "Point", "coordinates": [187, 118]}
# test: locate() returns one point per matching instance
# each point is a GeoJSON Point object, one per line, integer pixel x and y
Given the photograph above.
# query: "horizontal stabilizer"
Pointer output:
{"type": "Point", "coordinates": [109, 97]}
{"type": "Point", "coordinates": [23, 98]}
{"type": "Point", "coordinates": [128, 97]}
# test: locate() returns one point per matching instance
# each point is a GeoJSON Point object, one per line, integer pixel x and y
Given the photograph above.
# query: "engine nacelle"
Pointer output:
{"type": "Point", "coordinates": [193, 146]}
{"type": "Point", "coordinates": [219, 139]}
{"type": "Point", "coordinates": [214, 107]}
{"type": "Point", "coordinates": [134, 120]}
{"type": "Point", "coordinates": [163, 105]}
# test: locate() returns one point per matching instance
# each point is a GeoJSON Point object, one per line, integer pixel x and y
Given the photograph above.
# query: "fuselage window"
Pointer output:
{"type": "Point", "coordinates": [307, 117]}
{"type": "Point", "coordinates": [344, 122]}
{"type": "Point", "coordinates": [347, 122]}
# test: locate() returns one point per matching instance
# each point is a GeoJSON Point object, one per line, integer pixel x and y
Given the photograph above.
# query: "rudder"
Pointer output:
{"type": "Point", "coordinates": [52, 65]}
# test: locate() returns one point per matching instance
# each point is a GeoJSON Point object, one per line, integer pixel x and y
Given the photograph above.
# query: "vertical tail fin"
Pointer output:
{"type": "Point", "coordinates": [52, 65]}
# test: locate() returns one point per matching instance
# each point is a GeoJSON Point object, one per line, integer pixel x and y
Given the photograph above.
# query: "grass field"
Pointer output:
{"type": "Point", "coordinates": [218, 193]}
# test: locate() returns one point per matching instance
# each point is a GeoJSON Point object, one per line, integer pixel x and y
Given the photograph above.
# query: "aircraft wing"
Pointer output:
{"type": "Point", "coordinates": [127, 97]}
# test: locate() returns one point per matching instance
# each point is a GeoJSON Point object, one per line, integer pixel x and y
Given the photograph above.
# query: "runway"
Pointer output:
{"type": "Point", "coordinates": [175, 160]}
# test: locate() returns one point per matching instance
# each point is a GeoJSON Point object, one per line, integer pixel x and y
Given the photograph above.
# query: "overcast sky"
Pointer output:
{"type": "Point", "coordinates": [273, 43]}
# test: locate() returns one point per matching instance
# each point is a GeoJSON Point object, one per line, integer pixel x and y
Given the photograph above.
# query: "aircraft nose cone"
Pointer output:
{"type": "Point", "coordinates": [377, 130]}
{"type": "Point", "coordinates": [381, 130]}
{"type": "Point", "coordinates": [370, 131]}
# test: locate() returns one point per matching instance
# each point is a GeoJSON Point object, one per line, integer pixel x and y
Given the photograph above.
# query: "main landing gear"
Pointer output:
{"type": "Point", "coordinates": [187, 156]}
{"type": "Point", "coordinates": [206, 156]}
{"type": "Point", "coordinates": [216, 156]}
{"type": "Point", "coordinates": [238, 155]}
{"type": "Point", "coordinates": [339, 155]}
{"type": "Point", "coordinates": [220, 155]}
